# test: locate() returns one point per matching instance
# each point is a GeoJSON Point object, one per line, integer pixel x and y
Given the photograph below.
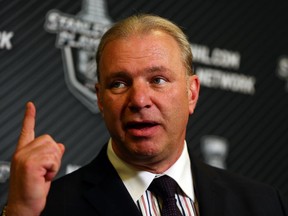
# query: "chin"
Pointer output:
{"type": "Point", "coordinates": [147, 151]}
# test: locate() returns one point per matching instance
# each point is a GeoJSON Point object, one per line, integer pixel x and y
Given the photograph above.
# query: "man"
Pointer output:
{"type": "Point", "coordinates": [146, 91]}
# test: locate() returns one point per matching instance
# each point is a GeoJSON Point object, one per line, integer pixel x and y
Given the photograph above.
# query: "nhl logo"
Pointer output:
{"type": "Point", "coordinates": [4, 171]}
{"type": "Point", "coordinates": [78, 37]}
{"type": "Point", "coordinates": [282, 69]}
{"type": "Point", "coordinates": [215, 150]}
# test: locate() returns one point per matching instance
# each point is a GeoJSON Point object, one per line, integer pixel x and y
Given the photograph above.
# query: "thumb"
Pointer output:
{"type": "Point", "coordinates": [27, 134]}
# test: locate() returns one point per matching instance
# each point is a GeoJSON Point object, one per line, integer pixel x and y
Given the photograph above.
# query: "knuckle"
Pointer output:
{"type": "Point", "coordinates": [46, 137]}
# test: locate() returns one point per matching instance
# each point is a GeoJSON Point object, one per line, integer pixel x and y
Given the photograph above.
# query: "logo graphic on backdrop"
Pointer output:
{"type": "Point", "coordinates": [4, 171]}
{"type": "Point", "coordinates": [214, 150]}
{"type": "Point", "coordinates": [282, 69]}
{"type": "Point", "coordinates": [78, 37]}
{"type": "Point", "coordinates": [5, 40]}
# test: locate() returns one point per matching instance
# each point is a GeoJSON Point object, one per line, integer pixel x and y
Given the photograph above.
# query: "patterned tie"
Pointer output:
{"type": "Point", "coordinates": [165, 187]}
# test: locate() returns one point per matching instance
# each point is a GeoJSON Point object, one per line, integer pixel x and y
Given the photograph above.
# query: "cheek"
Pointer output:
{"type": "Point", "coordinates": [177, 105]}
{"type": "Point", "coordinates": [112, 106]}
{"type": "Point", "coordinates": [112, 115]}
{"type": "Point", "coordinates": [176, 97]}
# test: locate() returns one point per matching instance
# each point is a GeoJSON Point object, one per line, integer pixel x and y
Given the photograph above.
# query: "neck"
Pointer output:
{"type": "Point", "coordinates": [157, 164]}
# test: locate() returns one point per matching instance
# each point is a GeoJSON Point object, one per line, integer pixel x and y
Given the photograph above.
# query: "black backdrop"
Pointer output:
{"type": "Point", "coordinates": [240, 54]}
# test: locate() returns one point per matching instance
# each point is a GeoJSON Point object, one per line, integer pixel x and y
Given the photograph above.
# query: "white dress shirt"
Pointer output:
{"type": "Point", "coordinates": [137, 183]}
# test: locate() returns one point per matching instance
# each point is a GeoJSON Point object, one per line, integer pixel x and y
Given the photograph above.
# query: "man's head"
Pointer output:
{"type": "Point", "coordinates": [146, 92]}
{"type": "Point", "coordinates": [144, 24]}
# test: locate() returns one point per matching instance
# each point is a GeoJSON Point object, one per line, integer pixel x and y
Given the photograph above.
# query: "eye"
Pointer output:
{"type": "Point", "coordinates": [159, 80]}
{"type": "Point", "coordinates": [117, 85]}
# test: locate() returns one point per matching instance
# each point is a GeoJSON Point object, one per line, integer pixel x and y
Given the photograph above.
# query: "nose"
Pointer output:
{"type": "Point", "coordinates": [139, 97]}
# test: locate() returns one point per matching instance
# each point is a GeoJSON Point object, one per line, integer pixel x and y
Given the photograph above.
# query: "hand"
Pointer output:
{"type": "Point", "coordinates": [35, 163]}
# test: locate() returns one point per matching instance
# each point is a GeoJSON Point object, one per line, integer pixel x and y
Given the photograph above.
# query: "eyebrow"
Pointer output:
{"type": "Point", "coordinates": [118, 74]}
{"type": "Point", "coordinates": [154, 69]}
{"type": "Point", "coordinates": [150, 70]}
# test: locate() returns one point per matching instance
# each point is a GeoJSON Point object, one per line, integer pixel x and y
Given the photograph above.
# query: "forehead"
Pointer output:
{"type": "Point", "coordinates": [150, 48]}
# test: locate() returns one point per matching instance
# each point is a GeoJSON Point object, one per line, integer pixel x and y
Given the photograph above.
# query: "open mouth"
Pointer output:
{"type": "Point", "coordinates": [143, 129]}
{"type": "Point", "coordinates": [140, 125]}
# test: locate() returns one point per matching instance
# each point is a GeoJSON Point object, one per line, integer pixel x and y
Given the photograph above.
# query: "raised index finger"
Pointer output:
{"type": "Point", "coordinates": [28, 126]}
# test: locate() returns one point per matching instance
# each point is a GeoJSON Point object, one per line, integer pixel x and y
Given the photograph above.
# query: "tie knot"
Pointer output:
{"type": "Point", "coordinates": [164, 186]}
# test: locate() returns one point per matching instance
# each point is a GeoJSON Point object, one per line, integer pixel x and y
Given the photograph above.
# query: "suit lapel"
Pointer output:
{"type": "Point", "coordinates": [107, 192]}
{"type": "Point", "coordinates": [209, 193]}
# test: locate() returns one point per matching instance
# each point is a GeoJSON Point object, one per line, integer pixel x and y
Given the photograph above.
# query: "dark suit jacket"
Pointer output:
{"type": "Point", "coordinates": [96, 189]}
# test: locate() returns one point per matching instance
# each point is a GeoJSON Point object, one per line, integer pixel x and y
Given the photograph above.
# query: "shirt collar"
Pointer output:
{"type": "Point", "coordinates": [137, 182]}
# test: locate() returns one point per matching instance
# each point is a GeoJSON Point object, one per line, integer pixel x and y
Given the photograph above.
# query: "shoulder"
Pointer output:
{"type": "Point", "coordinates": [227, 179]}
{"type": "Point", "coordinates": [235, 189]}
{"type": "Point", "coordinates": [92, 172]}
{"type": "Point", "coordinates": [67, 194]}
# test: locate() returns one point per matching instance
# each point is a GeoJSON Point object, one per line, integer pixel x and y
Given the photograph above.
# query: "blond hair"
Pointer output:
{"type": "Point", "coordinates": [143, 24]}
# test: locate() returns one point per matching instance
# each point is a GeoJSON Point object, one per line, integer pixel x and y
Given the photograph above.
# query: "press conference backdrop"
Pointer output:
{"type": "Point", "coordinates": [240, 54]}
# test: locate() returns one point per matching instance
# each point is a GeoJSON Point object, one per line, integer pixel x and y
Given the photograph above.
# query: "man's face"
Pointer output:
{"type": "Point", "coordinates": [146, 98]}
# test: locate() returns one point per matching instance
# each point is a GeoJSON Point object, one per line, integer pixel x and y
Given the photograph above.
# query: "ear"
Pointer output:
{"type": "Point", "coordinates": [99, 96]}
{"type": "Point", "coordinates": [193, 92]}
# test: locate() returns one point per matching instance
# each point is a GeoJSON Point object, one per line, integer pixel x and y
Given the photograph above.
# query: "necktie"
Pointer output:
{"type": "Point", "coordinates": [165, 187]}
